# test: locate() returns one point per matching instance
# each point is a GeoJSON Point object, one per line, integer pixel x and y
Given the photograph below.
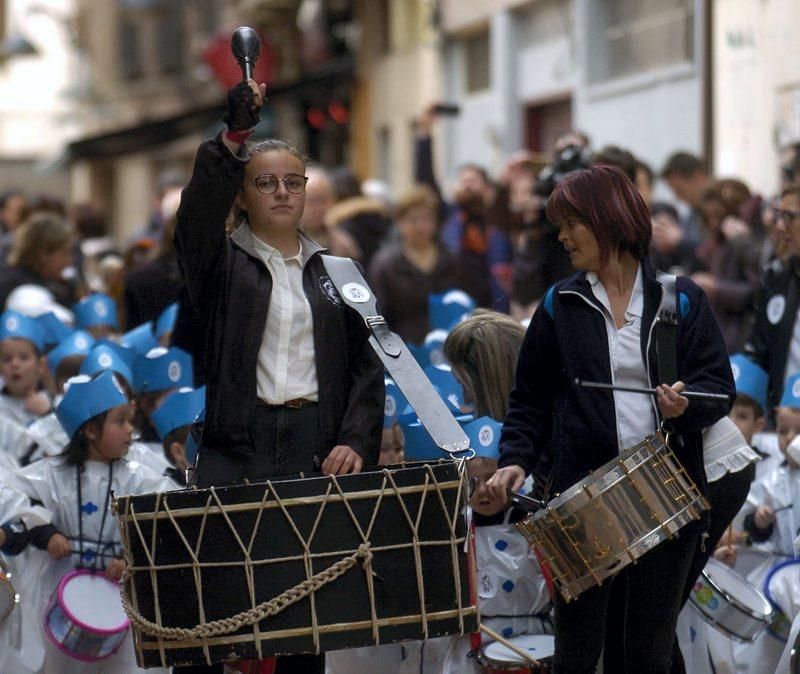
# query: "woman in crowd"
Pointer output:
{"type": "Point", "coordinates": [596, 325]}
{"type": "Point", "coordinates": [404, 273]}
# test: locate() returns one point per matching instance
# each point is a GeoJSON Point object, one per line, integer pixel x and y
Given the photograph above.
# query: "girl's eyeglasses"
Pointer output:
{"type": "Point", "coordinates": [267, 183]}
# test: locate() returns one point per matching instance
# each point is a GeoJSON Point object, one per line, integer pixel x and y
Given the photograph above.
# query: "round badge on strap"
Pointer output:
{"type": "Point", "coordinates": [355, 292]}
{"type": "Point", "coordinates": [775, 308]}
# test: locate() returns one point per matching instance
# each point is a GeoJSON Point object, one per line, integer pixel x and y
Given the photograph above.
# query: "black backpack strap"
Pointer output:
{"type": "Point", "coordinates": [666, 330]}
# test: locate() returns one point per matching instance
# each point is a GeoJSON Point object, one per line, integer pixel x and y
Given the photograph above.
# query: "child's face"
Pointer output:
{"type": "Point", "coordinates": [114, 440]}
{"type": "Point", "coordinates": [746, 420]}
{"type": "Point", "coordinates": [20, 366]}
{"type": "Point", "coordinates": [787, 425]}
{"type": "Point", "coordinates": [391, 446]}
{"type": "Point", "coordinates": [481, 470]}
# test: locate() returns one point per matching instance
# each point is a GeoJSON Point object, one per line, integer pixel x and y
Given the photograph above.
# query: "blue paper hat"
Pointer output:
{"type": "Point", "coordinates": [162, 369]}
{"type": "Point", "coordinates": [446, 386]}
{"type": "Point", "coordinates": [750, 379]}
{"type": "Point", "coordinates": [179, 409]}
{"type": "Point", "coordinates": [395, 403]}
{"type": "Point", "coordinates": [166, 320]}
{"type": "Point", "coordinates": [103, 357]}
{"type": "Point", "coordinates": [96, 309]}
{"type": "Point", "coordinates": [86, 398]}
{"type": "Point", "coordinates": [190, 449]}
{"type": "Point", "coordinates": [79, 343]}
{"type": "Point", "coordinates": [449, 308]}
{"type": "Point", "coordinates": [418, 445]}
{"type": "Point", "coordinates": [14, 325]}
{"type": "Point", "coordinates": [434, 344]}
{"type": "Point", "coordinates": [125, 352]}
{"type": "Point", "coordinates": [141, 339]}
{"type": "Point", "coordinates": [484, 437]}
{"type": "Point", "coordinates": [55, 330]}
{"type": "Point", "coordinates": [791, 392]}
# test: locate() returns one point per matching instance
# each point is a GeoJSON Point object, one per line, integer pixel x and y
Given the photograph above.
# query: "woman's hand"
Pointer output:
{"type": "Point", "coordinates": [670, 403]}
{"type": "Point", "coordinates": [341, 461]}
{"type": "Point", "coordinates": [115, 569]}
{"type": "Point", "coordinates": [510, 477]}
{"type": "Point", "coordinates": [58, 547]}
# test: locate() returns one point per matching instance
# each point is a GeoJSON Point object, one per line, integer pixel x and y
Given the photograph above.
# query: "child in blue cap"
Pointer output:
{"type": "Point", "coordinates": [173, 420]}
{"type": "Point", "coordinates": [749, 411]}
{"type": "Point", "coordinates": [155, 376]}
{"type": "Point", "coordinates": [97, 314]}
{"type": "Point", "coordinates": [75, 487]}
{"type": "Point", "coordinates": [22, 368]}
{"type": "Point", "coordinates": [772, 511]}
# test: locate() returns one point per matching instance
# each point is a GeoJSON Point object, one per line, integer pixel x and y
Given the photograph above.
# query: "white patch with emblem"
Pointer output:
{"type": "Point", "coordinates": [775, 308]}
{"type": "Point", "coordinates": [796, 389]}
{"type": "Point", "coordinates": [100, 309]}
{"type": "Point", "coordinates": [104, 360]}
{"type": "Point", "coordinates": [355, 292]}
{"type": "Point", "coordinates": [485, 436]}
{"type": "Point", "coordinates": [174, 371]}
{"type": "Point", "coordinates": [390, 406]}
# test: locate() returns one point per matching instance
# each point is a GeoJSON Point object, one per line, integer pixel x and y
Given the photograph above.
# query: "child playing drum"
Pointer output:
{"type": "Point", "coordinates": [75, 488]}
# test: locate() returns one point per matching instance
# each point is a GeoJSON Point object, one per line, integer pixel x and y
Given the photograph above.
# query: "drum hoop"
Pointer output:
{"type": "Point", "coordinates": [590, 480]}
{"type": "Point", "coordinates": [88, 628]}
{"type": "Point", "coordinates": [735, 602]}
{"type": "Point", "coordinates": [772, 571]}
{"type": "Point", "coordinates": [736, 637]}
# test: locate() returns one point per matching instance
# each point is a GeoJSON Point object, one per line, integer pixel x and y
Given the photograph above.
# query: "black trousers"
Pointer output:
{"type": "Point", "coordinates": [650, 592]}
{"type": "Point", "coordinates": [286, 442]}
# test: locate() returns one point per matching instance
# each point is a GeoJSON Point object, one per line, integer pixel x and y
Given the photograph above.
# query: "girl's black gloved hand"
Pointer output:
{"type": "Point", "coordinates": [243, 111]}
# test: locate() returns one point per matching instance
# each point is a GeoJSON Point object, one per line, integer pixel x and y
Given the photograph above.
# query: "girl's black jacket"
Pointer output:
{"type": "Point", "coordinates": [229, 288]}
{"type": "Point", "coordinates": [567, 340]}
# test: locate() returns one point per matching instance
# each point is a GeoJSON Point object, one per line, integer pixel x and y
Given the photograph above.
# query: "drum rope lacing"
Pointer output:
{"type": "Point", "coordinates": [251, 616]}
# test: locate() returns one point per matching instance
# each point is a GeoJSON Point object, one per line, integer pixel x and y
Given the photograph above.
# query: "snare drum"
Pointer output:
{"type": "Point", "coordinates": [729, 603]}
{"type": "Point", "coordinates": [496, 658]}
{"type": "Point", "coordinates": [8, 596]}
{"type": "Point", "coordinates": [84, 618]}
{"type": "Point", "coordinates": [614, 516]}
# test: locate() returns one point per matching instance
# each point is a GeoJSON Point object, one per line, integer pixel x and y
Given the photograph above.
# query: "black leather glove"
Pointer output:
{"type": "Point", "coordinates": [242, 113]}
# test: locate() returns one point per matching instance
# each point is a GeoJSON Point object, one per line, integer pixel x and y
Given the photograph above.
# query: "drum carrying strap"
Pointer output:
{"type": "Point", "coordinates": [666, 330]}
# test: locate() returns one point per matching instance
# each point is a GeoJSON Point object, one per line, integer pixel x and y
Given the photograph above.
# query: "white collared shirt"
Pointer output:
{"type": "Point", "coordinates": [286, 364]}
{"type": "Point", "coordinates": [634, 411]}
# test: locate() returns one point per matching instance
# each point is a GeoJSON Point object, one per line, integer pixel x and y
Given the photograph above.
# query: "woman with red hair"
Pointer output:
{"type": "Point", "coordinates": [598, 325]}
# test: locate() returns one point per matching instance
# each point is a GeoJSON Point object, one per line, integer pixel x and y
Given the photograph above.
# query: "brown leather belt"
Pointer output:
{"type": "Point", "coordinates": [294, 404]}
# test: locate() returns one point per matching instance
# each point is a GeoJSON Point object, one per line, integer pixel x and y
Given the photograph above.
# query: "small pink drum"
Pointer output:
{"type": "Point", "coordinates": [84, 618]}
{"type": "Point", "coordinates": [8, 596]}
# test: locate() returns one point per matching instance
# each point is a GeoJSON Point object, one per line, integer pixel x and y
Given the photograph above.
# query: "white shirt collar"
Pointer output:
{"type": "Point", "coordinates": [269, 251]}
{"type": "Point", "coordinates": [635, 304]}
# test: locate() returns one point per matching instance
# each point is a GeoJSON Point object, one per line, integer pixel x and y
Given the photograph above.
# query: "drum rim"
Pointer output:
{"type": "Point", "coordinates": [733, 600]}
{"type": "Point", "coordinates": [89, 628]}
{"type": "Point", "coordinates": [736, 637]}
{"type": "Point", "coordinates": [60, 646]}
{"type": "Point", "coordinates": [588, 480]}
{"type": "Point", "coordinates": [772, 571]}
{"type": "Point", "coordinates": [484, 659]}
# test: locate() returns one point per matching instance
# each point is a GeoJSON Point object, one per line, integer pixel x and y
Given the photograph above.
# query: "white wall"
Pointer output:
{"type": "Point", "coordinates": [34, 107]}
{"type": "Point", "coordinates": [757, 87]}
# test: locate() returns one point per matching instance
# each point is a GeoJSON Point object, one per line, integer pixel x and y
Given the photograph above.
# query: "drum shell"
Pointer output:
{"type": "Point", "coordinates": [8, 596]}
{"type": "Point", "coordinates": [720, 607]}
{"type": "Point", "coordinates": [432, 495]}
{"type": "Point", "coordinates": [614, 516]}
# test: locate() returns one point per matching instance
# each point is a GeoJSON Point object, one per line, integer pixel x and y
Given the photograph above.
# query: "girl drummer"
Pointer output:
{"type": "Point", "coordinates": [597, 325]}
{"type": "Point", "coordinates": [292, 385]}
{"type": "Point", "coordinates": [75, 489]}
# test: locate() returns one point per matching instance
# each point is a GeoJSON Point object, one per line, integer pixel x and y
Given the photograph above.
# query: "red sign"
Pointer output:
{"type": "Point", "coordinates": [219, 58]}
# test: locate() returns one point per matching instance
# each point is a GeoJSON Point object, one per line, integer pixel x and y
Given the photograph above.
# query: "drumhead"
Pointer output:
{"type": "Point", "coordinates": [93, 601]}
{"type": "Point", "coordinates": [540, 646]}
{"type": "Point", "coordinates": [738, 589]}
